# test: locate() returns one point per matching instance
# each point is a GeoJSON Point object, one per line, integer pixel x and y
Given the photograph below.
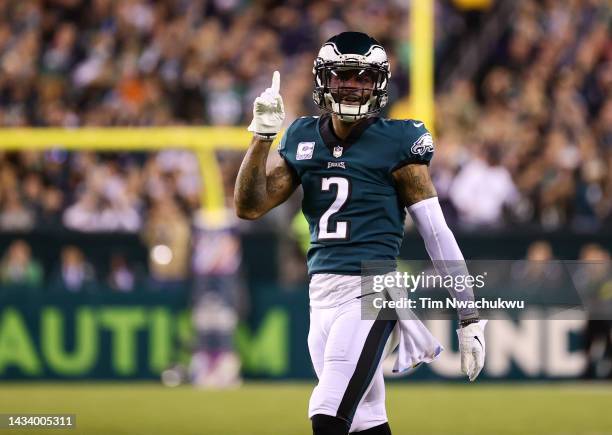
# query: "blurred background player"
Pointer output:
{"type": "Point", "coordinates": [217, 296]}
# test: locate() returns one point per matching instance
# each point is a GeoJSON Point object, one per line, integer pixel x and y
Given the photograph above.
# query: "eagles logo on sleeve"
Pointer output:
{"type": "Point", "coordinates": [424, 144]}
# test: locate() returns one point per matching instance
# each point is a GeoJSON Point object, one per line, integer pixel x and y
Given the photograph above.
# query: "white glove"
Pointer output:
{"type": "Point", "coordinates": [268, 110]}
{"type": "Point", "coordinates": [472, 348]}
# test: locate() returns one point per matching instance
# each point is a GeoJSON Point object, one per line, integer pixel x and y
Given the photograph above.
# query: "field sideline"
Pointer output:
{"type": "Point", "coordinates": [280, 408]}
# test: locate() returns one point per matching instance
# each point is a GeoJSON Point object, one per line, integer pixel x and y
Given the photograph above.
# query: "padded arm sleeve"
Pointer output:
{"type": "Point", "coordinates": [442, 247]}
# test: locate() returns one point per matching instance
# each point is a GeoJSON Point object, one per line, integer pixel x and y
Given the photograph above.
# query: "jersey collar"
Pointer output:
{"type": "Point", "coordinates": [330, 139]}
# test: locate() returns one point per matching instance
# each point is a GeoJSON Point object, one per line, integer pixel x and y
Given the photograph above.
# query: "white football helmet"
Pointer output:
{"type": "Point", "coordinates": [351, 56]}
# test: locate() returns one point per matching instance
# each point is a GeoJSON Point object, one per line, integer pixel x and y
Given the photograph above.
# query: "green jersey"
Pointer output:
{"type": "Point", "coordinates": [350, 201]}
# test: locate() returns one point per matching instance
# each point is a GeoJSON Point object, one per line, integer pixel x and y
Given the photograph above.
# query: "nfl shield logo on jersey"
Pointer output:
{"type": "Point", "coordinates": [338, 151]}
{"type": "Point", "coordinates": [305, 150]}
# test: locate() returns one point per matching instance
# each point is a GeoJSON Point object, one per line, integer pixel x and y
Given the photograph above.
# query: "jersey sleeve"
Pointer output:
{"type": "Point", "coordinates": [283, 149]}
{"type": "Point", "coordinates": [282, 146]}
{"type": "Point", "coordinates": [416, 144]}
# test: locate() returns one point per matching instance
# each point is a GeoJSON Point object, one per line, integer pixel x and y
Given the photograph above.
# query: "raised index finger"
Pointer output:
{"type": "Point", "coordinates": [276, 82]}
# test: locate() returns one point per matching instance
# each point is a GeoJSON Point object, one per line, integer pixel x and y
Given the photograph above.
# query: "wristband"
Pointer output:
{"type": "Point", "coordinates": [467, 322]}
{"type": "Point", "coordinates": [265, 136]}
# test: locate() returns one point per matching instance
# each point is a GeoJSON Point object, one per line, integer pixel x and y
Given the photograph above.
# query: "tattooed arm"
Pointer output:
{"type": "Point", "coordinates": [414, 184]}
{"type": "Point", "coordinates": [260, 189]}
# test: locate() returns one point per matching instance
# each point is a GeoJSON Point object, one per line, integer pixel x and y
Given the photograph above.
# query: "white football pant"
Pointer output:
{"type": "Point", "coordinates": [347, 353]}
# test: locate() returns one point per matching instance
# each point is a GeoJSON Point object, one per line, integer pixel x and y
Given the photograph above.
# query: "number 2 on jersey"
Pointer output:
{"type": "Point", "coordinates": [342, 193]}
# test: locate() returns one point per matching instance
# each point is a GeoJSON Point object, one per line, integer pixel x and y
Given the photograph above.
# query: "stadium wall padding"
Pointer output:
{"type": "Point", "coordinates": [47, 334]}
{"type": "Point", "coordinates": [138, 335]}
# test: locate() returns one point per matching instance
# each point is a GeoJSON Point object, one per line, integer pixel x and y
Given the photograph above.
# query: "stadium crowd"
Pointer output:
{"type": "Point", "coordinates": [528, 140]}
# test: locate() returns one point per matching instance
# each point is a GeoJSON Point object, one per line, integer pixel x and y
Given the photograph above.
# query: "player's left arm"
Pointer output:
{"type": "Point", "coordinates": [417, 192]}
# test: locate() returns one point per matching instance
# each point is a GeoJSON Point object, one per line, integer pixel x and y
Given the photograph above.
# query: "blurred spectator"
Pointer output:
{"type": "Point", "coordinates": [51, 208]}
{"type": "Point", "coordinates": [596, 260]}
{"type": "Point", "coordinates": [14, 216]}
{"type": "Point", "coordinates": [19, 268]}
{"type": "Point", "coordinates": [482, 189]}
{"type": "Point", "coordinates": [105, 204]}
{"type": "Point", "coordinates": [74, 274]}
{"type": "Point", "coordinates": [83, 214]}
{"type": "Point", "coordinates": [167, 235]}
{"type": "Point", "coordinates": [540, 250]}
{"type": "Point", "coordinates": [540, 272]}
{"type": "Point", "coordinates": [121, 277]}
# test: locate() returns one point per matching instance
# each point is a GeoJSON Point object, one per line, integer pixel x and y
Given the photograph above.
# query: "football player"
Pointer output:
{"type": "Point", "coordinates": [359, 174]}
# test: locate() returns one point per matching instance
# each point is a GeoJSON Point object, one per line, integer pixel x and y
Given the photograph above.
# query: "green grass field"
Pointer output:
{"type": "Point", "coordinates": [280, 408]}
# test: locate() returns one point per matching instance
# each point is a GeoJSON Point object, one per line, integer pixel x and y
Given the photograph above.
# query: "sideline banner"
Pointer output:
{"type": "Point", "coordinates": [138, 335]}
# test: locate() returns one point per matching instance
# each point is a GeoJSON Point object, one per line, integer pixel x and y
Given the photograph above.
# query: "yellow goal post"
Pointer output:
{"type": "Point", "coordinates": [202, 141]}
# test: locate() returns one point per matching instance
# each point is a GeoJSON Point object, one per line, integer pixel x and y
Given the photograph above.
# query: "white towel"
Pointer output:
{"type": "Point", "coordinates": [416, 345]}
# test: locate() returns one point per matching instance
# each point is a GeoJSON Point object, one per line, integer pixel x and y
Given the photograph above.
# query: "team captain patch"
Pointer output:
{"type": "Point", "coordinates": [423, 144]}
{"type": "Point", "coordinates": [304, 150]}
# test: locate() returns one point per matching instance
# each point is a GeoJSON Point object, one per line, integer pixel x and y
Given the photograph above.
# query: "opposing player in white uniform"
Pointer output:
{"type": "Point", "coordinates": [359, 174]}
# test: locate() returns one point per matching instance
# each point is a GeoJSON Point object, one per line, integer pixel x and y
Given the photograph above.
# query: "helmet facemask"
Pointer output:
{"type": "Point", "coordinates": [350, 90]}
